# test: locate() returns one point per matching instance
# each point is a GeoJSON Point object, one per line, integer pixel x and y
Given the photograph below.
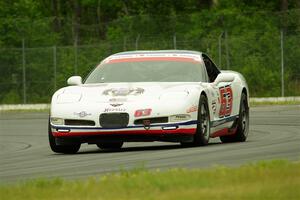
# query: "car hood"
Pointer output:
{"type": "Point", "coordinates": [125, 92]}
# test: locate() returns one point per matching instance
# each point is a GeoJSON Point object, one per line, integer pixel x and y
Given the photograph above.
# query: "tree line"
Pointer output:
{"type": "Point", "coordinates": [247, 32]}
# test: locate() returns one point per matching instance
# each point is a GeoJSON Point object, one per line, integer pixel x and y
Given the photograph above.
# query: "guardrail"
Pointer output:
{"type": "Point", "coordinates": [7, 107]}
{"type": "Point", "coordinates": [274, 99]}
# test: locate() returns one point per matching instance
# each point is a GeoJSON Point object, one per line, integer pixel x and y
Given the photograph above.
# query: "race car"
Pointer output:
{"type": "Point", "coordinates": [139, 96]}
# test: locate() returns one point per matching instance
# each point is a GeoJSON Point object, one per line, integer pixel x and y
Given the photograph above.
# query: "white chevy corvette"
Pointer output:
{"type": "Point", "coordinates": [171, 95]}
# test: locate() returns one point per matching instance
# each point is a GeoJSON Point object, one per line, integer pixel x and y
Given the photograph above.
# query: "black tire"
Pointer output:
{"type": "Point", "coordinates": [66, 149]}
{"type": "Point", "coordinates": [242, 124]}
{"type": "Point", "coordinates": [201, 138]}
{"type": "Point", "coordinates": [110, 145]}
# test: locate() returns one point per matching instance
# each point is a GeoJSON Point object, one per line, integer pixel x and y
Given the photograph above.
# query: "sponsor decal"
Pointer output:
{"type": "Point", "coordinates": [192, 109]}
{"type": "Point", "coordinates": [142, 112]}
{"type": "Point", "coordinates": [116, 104]}
{"type": "Point", "coordinates": [179, 117]}
{"type": "Point", "coordinates": [225, 101]}
{"type": "Point", "coordinates": [123, 91]}
{"type": "Point", "coordinates": [147, 59]}
{"type": "Point", "coordinates": [82, 114]}
{"type": "Point", "coordinates": [114, 110]}
{"type": "Point", "coordinates": [214, 106]}
{"type": "Point", "coordinates": [153, 56]}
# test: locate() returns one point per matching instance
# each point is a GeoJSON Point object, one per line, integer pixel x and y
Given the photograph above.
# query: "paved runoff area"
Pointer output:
{"type": "Point", "coordinates": [25, 153]}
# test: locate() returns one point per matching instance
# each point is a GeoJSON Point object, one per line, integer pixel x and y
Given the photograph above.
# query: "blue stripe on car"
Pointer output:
{"type": "Point", "coordinates": [223, 121]}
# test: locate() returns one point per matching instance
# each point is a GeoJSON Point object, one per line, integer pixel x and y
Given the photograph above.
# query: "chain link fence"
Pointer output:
{"type": "Point", "coordinates": [270, 63]}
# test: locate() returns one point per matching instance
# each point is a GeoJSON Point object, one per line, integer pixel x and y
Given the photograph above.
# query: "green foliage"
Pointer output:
{"type": "Point", "coordinates": [12, 97]}
{"type": "Point", "coordinates": [99, 28]}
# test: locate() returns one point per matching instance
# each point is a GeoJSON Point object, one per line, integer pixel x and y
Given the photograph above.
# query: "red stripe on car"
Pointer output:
{"type": "Point", "coordinates": [223, 132]}
{"type": "Point", "coordinates": [189, 131]}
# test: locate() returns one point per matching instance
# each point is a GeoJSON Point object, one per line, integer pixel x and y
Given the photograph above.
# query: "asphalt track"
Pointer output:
{"type": "Point", "coordinates": [25, 154]}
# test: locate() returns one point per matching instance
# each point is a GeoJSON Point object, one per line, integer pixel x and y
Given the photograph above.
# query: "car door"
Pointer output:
{"type": "Point", "coordinates": [222, 95]}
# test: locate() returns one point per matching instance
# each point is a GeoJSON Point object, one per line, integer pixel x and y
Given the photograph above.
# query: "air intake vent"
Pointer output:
{"type": "Point", "coordinates": [79, 122]}
{"type": "Point", "coordinates": [154, 120]}
{"type": "Point", "coordinates": [114, 120]}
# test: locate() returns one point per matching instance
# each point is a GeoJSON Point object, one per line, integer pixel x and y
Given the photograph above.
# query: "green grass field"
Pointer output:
{"type": "Point", "coordinates": [276, 179]}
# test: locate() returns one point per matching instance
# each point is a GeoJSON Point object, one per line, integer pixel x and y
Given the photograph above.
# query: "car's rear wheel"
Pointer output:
{"type": "Point", "coordinates": [201, 138]}
{"type": "Point", "coordinates": [242, 124]}
{"type": "Point", "coordinates": [110, 145]}
{"type": "Point", "coordinates": [67, 149]}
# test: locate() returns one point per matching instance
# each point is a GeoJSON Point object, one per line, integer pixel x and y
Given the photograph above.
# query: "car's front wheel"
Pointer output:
{"type": "Point", "coordinates": [67, 149]}
{"type": "Point", "coordinates": [201, 138]}
{"type": "Point", "coordinates": [110, 145]}
{"type": "Point", "coordinates": [242, 124]}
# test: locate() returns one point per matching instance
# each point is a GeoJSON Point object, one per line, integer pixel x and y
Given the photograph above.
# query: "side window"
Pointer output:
{"type": "Point", "coordinates": [204, 73]}
{"type": "Point", "coordinates": [212, 70]}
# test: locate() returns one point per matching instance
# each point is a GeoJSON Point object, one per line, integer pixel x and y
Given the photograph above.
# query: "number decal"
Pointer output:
{"type": "Point", "coordinates": [225, 101]}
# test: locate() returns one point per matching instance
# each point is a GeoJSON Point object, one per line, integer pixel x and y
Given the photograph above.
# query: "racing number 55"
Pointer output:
{"type": "Point", "coordinates": [225, 101]}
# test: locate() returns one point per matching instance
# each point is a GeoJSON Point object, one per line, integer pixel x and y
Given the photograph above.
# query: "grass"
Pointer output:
{"type": "Point", "coordinates": [276, 179]}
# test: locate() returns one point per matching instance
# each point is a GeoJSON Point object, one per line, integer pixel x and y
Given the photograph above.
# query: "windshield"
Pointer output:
{"type": "Point", "coordinates": [147, 71]}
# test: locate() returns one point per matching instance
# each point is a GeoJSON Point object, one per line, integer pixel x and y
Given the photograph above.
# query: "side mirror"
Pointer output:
{"type": "Point", "coordinates": [74, 80]}
{"type": "Point", "coordinates": [223, 77]}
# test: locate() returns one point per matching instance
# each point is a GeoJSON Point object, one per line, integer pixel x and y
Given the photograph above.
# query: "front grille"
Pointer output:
{"type": "Point", "coordinates": [153, 120]}
{"type": "Point", "coordinates": [79, 122]}
{"type": "Point", "coordinates": [114, 120]}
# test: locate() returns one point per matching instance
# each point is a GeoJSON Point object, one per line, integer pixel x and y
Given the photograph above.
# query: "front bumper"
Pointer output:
{"type": "Point", "coordinates": [175, 132]}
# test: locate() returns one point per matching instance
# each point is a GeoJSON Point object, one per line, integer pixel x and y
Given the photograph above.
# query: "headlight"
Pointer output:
{"type": "Point", "coordinates": [179, 118]}
{"type": "Point", "coordinates": [57, 121]}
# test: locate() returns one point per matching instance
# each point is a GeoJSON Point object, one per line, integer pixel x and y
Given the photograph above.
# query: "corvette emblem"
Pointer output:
{"type": "Point", "coordinates": [123, 91]}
